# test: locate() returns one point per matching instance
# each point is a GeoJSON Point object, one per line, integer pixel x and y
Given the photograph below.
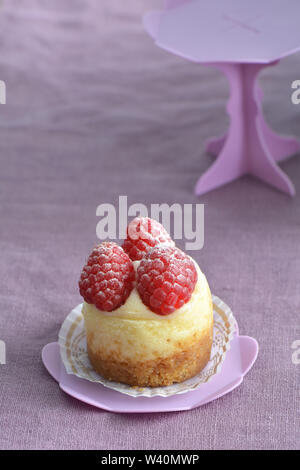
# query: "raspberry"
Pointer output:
{"type": "Point", "coordinates": [143, 234]}
{"type": "Point", "coordinates": [107, 278]}
{"type": "Point", "coordinates": [166, 279]}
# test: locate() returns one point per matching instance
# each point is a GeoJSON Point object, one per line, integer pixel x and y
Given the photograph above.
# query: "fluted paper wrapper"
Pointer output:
{"type": "Point", "coordinates": [73, 350]}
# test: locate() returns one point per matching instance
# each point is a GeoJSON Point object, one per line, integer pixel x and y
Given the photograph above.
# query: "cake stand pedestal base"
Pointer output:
{"type": "Point", "coordinates": [250, 146]}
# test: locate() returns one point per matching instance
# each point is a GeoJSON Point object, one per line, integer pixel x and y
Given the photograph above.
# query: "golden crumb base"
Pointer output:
{"type": "Point", "coordinates": [182, 365]}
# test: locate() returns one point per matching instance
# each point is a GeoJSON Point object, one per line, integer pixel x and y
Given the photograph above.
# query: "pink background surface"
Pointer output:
{"type": "Point", "coordinates": [94, 110]}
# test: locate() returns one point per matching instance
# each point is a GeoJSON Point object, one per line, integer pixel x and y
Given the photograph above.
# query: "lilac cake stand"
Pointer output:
{"type": "Point", "coordinates": [239, 360]}
{"type": "Point", "coordinates": [239, 38]}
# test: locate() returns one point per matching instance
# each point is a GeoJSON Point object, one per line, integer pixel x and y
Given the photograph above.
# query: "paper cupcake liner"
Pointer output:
{"type": "Point", "coordinates": [73, 351]}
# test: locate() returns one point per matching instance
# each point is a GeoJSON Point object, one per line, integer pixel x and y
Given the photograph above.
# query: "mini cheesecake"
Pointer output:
{"type": "Point", "coordinates": [147, 309]}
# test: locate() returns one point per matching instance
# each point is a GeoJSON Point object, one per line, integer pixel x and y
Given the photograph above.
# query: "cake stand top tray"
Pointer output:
{"type": "Point", "coordinates": [227, 30]}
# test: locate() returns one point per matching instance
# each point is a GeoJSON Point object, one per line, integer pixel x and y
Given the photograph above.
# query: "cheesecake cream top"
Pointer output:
{"type": "Point", "coordinates": [135, 309]}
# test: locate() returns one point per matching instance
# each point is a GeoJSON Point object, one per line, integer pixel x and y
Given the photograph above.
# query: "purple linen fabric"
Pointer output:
{"type": "Point", "coordinates": [95, 110]}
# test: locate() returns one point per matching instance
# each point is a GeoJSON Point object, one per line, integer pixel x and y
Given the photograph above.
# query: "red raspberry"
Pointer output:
{"type": "Point", "coordinates": [143, 234]}
{"type": "Point", "coordinates": [107, 278]}
{"type": "Point", "coordinates": [166, 279]}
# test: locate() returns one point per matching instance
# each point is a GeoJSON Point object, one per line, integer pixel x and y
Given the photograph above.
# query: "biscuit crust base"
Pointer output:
{"type": "Point", "coordinates": [182, 365]}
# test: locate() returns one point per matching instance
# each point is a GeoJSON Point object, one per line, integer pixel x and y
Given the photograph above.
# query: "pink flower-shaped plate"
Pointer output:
{"type": "Point", "coordinates": [239, 360]}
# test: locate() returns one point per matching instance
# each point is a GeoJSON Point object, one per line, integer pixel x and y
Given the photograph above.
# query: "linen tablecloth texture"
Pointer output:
{"type": "Point", "coordinates": [95, 110]}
